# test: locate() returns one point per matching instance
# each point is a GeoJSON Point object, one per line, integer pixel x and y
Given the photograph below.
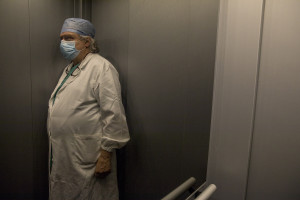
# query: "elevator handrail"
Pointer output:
{"type": "Point", "coordinates": [207, 192]}
{"type": "Point", "coordinates": [196, 192]}
{"type": "Point", "coordinates": [180, 189]}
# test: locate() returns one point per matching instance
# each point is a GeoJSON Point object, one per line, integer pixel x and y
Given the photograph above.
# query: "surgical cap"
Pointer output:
{"type": "Point", "coordinates": [80, 26]}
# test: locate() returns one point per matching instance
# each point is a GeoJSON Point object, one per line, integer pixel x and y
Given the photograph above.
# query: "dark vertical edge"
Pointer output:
{"type": "Point", "coordinates": [77, 8]}
{"type": "Point", "coordinates": [185, 92]}
{"type": "Point", "coordinates": [255, 97]}
{"type": "Point", "coordinates": [31, 103]}
{"type": "Point", "coordinates": [87, 9]}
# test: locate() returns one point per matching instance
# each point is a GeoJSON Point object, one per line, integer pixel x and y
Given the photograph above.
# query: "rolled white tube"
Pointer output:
{"type": "Point", "coordinates": [180, 189]}
{"type": "Point", "coordinates": [207, 192]}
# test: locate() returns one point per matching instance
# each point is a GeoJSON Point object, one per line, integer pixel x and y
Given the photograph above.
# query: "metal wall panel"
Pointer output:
{"type": "Point", "coordinates": [15, 120]}
{"type": "Point", "coordinates": [46, 19]}
{"type": "Point", "coordinates": [158, 46]}
{"type": "Point", "coordinates": [202, 34]}
{"type": "Point", "coordinates": [274, 171]}
{"type": "Point", "coordinates": [234, 96]}
{"type": "Point", "coordinates": [165, 54]}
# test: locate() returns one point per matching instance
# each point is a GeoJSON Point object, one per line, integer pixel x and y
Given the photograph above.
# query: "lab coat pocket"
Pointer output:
{"type": "Point", "coordinates": [87, 149]}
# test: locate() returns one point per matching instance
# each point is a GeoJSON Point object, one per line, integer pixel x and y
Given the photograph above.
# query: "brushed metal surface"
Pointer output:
{"type": "Point", "coordinates": [274, 170]}
{"type": "Point", "coordinates": [15, 119]}
{"type": "Point", "coordinates": [234, 97]}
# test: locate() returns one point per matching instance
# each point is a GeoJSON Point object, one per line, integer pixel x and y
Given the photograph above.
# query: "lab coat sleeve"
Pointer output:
{"type": "Point", "coordinates": [108, 94]}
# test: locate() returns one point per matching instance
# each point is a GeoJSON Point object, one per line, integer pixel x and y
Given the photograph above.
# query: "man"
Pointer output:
{"type": "Point", "coordinates": [86, 120]}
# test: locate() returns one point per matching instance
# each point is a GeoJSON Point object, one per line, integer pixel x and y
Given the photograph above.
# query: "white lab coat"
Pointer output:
{"type": "Point", "coordinates": [87, 115]}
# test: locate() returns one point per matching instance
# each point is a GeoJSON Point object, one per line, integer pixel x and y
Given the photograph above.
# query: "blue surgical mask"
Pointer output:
{"type": "Point", "coordinates": [68, 50]}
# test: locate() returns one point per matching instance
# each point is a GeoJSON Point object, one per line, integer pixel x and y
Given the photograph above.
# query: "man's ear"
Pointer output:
{"type": "Point", "coordinates": [87, 42]}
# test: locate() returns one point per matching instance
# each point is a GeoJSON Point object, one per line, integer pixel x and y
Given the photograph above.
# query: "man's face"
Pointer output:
{"type": "Point", "coordinates": [70, 36]}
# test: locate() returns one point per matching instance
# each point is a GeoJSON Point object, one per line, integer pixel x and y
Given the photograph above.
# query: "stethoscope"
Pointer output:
{"type": "Point", "coordinates": [75, 72]}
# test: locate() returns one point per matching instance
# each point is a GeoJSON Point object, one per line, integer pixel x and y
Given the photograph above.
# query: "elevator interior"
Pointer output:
{"type": "Point", "coordinates": [164, 52]}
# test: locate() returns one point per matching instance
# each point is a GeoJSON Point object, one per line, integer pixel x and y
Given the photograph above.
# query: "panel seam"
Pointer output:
{"type": "Point", "coordinates": [255, 96]}
{"type": "Point", "coordinates": [31, 95]}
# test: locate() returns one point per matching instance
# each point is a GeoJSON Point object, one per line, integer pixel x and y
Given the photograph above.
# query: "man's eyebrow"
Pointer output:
{"type": "Point", "coordinates": [66, 36]}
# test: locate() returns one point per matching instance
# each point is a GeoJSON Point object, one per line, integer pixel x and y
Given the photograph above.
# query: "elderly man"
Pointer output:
{"type": "Point", "coordinates": [86, 120]}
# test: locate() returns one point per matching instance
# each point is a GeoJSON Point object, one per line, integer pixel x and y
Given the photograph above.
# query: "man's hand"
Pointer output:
{"type": "Point", "coordinates": [103, 167]}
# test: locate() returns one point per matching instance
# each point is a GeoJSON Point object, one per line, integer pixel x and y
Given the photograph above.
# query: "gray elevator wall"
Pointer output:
{"type": "Point", "coordinates": [255, 142]}
{"type": "Point", "coordinates": [237, 58]}
{"type": "Point", "coordinates": [16, 149]}
{"type": "Point", "coordinates": [165, 53]}
{"type": "Point", "coordinates": [274, 170]}
{"type": "Point", "coordinates": [30, 66]}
